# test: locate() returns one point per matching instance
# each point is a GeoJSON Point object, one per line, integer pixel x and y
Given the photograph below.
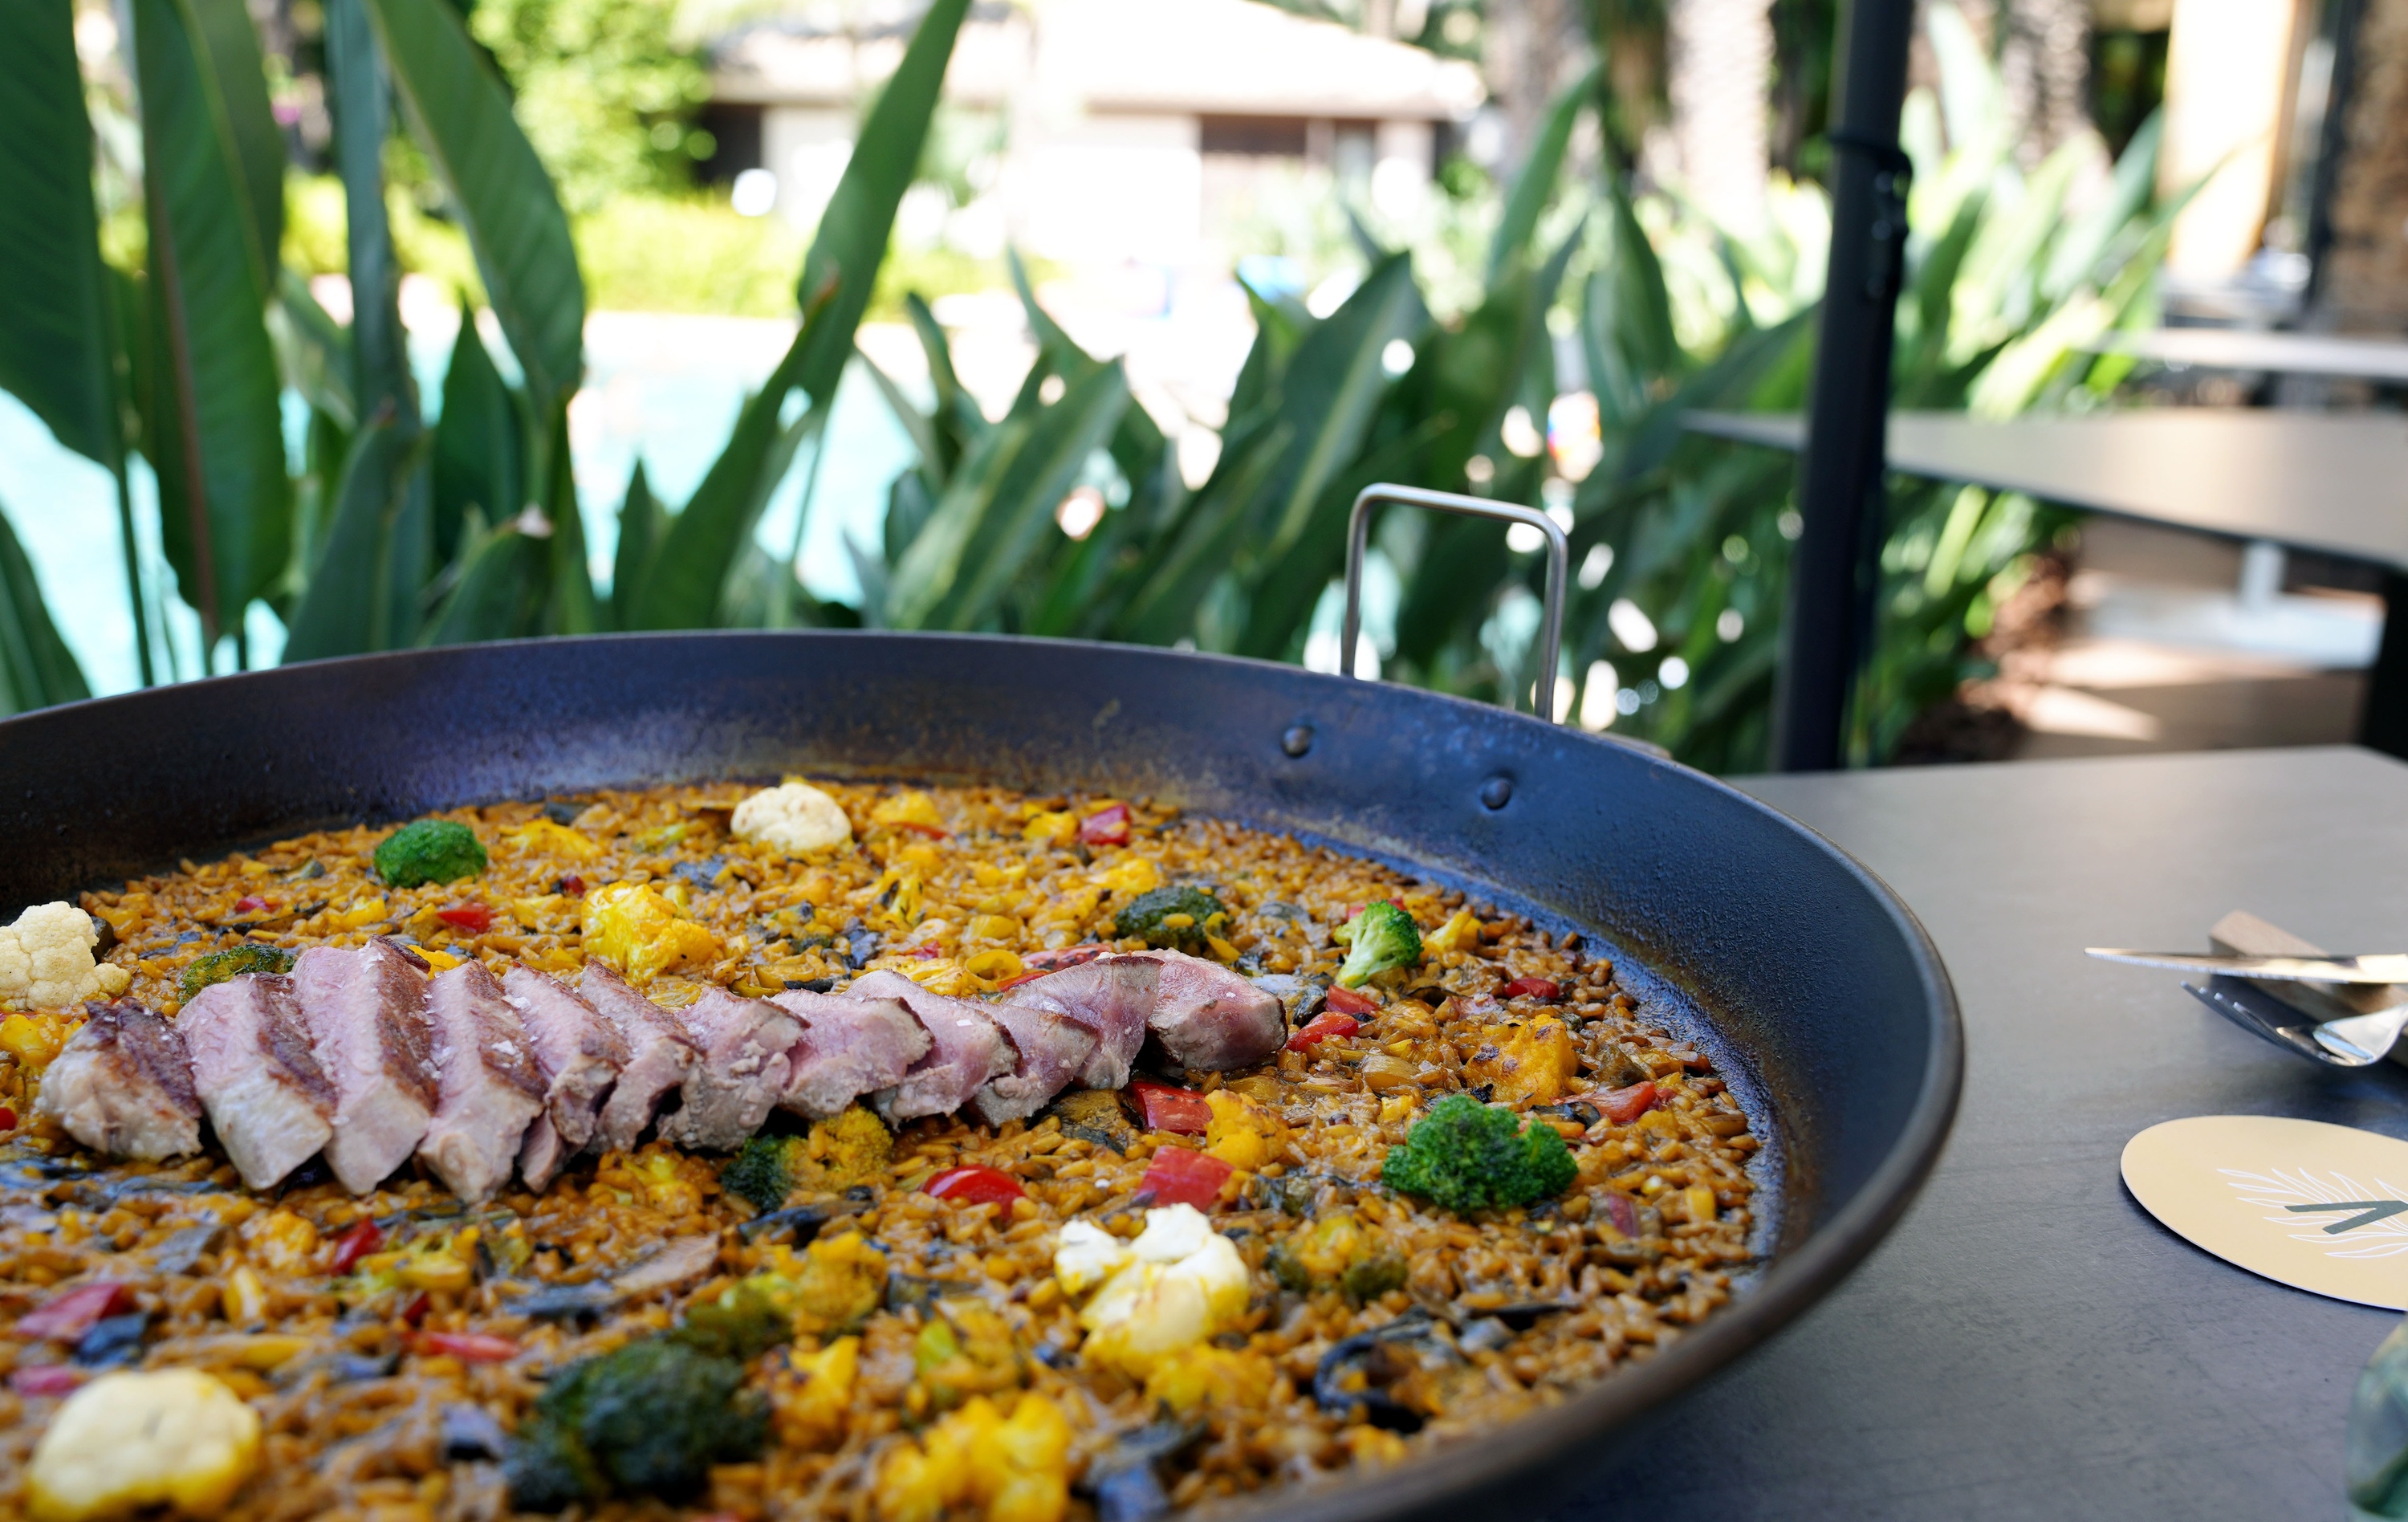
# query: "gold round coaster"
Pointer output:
{"type": "Point", "coordinates": [2320, 1208]}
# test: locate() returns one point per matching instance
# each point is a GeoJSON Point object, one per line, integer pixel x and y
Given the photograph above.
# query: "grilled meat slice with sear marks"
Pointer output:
{"type": "Point", "coordinates": [365, 1009]}
{"type": "Point", "coordinates": [1209, 1018]}
{"type": "Point", "coordinates": [741, 1072]}
{"type": "Point", "coordinates": [659, 1053]}
{"type": "Point", "coordinates": [1053, 1049]}
{"type": "Point", "coordinates": [851, 1046]}
{"type": "Point", "coordinates": [965, 1048]}
{"type": "Point", "coordinates": [124, 1087]}
{"type": "Point", "coordinates": [251, 1066]}
{"type": "Point", "coordinates": [579, 1056]}
{"type": "Point", "coordinates": [489, 1089]}
{"type": "Point", "coordinates": [1113, 998]}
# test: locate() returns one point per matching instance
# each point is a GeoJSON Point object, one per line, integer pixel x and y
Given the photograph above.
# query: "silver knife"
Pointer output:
{"type": "Point", "coordinates": [2379, 968]}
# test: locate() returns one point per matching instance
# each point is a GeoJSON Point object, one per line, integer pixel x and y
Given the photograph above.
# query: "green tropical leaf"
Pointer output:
{"type": "Point", "coordinates": [499, 588]}
{"type": "Point", "coordinates": [346, 606]}
{"type": "Point", "coordinates": [2084, 243]}
{"type": "Point", "coordinates": [361, 88]}
{"type": "Point", "coordinates": [1534, 188]}
{"type": "Point", "coordinates": [228, 44]}
{"type": "Point", "coordinates": [480, 456]}
{"type": "Point", "coordinates": [316, 351]}
{"type": "Point", "coordinates": [639, 530]}
{"type": "Point", "coordinates": [460, 115]}
{"type": "Point", "coordinates": [1162, 608]}
{"type": "Point", "coordinates": [681, 586]}
{"type": "Point", "coordinates": [572, 607]}
{"type": "Point", "coordinates": [1016, 517]}
{"type": "Point", "coordinates": [213, 417]}
{"type": "Point", "coordinates": [36, 668]}
{"type": "Point", "coordinates": [851, 242]}
{"type": "Point", "coordinates": [58, 347]}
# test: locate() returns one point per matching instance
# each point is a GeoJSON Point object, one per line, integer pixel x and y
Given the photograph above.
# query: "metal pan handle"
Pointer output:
{"type": "Point", "coordinates": [1550, 626]}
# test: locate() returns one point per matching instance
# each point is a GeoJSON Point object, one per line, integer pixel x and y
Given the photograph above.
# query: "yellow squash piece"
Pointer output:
{"type": "Point", "coordinates": [1244, 1133]}
{"type": "Point", "coordinates": [914, 811]}
{"type": "Point", "coordinates": [1527, 1063]}
{"type": "Point", "coordinates": [1461, 932]}
{"type": "Point", "coordinates": [997, 1470]}
{"type": "Point", "coordinates": [542, 836]}
{"type": "Point", "coordinates": [172, 1437]}
{"type": "Point", "coordinates": [811, 1396]}
{"type": "Point", "coordinates": [634, 928]}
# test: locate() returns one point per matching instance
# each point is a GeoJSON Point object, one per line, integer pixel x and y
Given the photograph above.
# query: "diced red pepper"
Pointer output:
{"type": "Point", "coordinates": [468, 1347]}
{"type": "Point", "coordinates": [1320, 1029]}
{"type": "Point", "coordinates": [1185, 1176]}
{"type": "Point", "coordinates": [1106, 826]}
{"type": "Point", "coordinates": [1355, 912]}
{"type": "Point", "coordinates": [364, 1238]}
{"type": "Point", "coordinates": [1347, 1001]}
{"type": "Point", "coordinates": [474, 918]}
{"type": "Point", "coordinates": [974, 1185]}
{"type": "Point", "coordinates": [250, 904]}
{"type": "Point", "coordinates": [1623, 1105]}
{"type": "Point", "coordinates": [573, 886]}
{"type": "Point", "coordinates": [415, 1312]}
{"type": "Point", "coordinates": [48, 1379]}
{"type": "Point", "coordinates": [7, 1118]}
{"type": "Point", "coordinates": [1168, 1109]}
{"type": "Point", "coordinates": [1532, 988]}
{"type": "Point", "coordinates": [1622, 1214]}
{"type": "Point", "coordinates": [65, 1316]}
{"type": "Point", "coordinates": [924, 952]}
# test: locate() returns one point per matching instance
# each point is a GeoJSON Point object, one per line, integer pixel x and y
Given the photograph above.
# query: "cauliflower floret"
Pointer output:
{"type": "Point", "coordinates": [46, 960]}
{"type": "Point", "coordinates": [796, 818]}
{"type": "Point", "coordinates": [1087, 1255]}
{"type": "Point", "coordinates": [125, 1441]}
{"type": "Point", "coordinates": [1173, 1287]}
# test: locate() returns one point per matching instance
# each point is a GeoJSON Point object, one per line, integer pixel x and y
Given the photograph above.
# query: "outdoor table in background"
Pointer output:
{"type": "Point", "coordinates": [2336, 484]}
{"type": "Point", "coordinates": [2029, 1342]}
{"type": "Point", "coordinates": [2271, 353]}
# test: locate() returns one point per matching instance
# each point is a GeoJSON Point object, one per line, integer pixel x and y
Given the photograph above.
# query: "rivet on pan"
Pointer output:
{"type": "Point", "coordinates": [1298, 739]}
{"type": "Point", "coordinates": [1497, 791]}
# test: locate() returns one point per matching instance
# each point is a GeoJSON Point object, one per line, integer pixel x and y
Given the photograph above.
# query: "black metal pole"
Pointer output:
{"type": "Point", "coordinates": [1828, 621]}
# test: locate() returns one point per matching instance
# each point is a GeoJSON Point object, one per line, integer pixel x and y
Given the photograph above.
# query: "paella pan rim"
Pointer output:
{"type": "Point", "coordinates": [100, 788]}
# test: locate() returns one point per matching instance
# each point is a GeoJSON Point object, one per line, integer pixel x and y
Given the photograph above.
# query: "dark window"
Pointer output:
{"type": "Point", "coordinates": [1257, 136]}
{"type": "Point", "coordinates": [736, 138]}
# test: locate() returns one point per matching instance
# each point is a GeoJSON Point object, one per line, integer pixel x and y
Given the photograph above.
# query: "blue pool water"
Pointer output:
{"type": "Point", "coordinates": [661, 389]}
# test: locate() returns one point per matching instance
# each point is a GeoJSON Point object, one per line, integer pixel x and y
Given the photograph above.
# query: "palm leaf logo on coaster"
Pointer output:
{"type": "Point", "coordinates": [2303, 1203]}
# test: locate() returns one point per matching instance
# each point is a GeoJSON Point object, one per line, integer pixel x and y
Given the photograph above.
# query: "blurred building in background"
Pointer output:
{"type": "Point", "coordinates": [1100, 131]}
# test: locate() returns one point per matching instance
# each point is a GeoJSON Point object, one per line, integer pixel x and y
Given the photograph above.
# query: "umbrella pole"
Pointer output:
{"type": "Point", "coordinates": [1828, 626]}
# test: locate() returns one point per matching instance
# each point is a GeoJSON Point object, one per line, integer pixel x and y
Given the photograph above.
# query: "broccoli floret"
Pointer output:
{"type": "Point", "coordinates": [429, 850]}
{"type": "Point", "coordinates": [850, 1147]}
{"type": "Point", "coordinates": [1179, 918]}
{"type": "Point", "coordinates": [651, 1418]}
{"type": "Point", "coordinates": [1380, 938]}
{"type": "Point", "coordinates": [1465, 1155]}
{"type": "Point", "coordinates": [748, 1319]}
{"type": "Point", "coordinates": [217, 966]}
{"type": "Point", "coordinates": [764, 1171]}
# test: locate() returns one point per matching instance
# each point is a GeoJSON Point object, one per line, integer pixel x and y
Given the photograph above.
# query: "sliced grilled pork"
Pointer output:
{"type": "Point", "coordinates": [1052, 1051]}
{"type": "Point", "coordinates": [965, 1048]}
{"type": "Point", "coordinates": [579, 1056]}
{"type": "Point", "coordinates": [659, 1053]}
{"type": "Point", "coordinates": [366, 1011]}
{"type": "Point", "coordinates": [124, 1087]}
{"type": "Point", "coordinates": [851, 1046]}
{"type": "Point", "coordinates": [1113, 998]}
{"type": "Point", "coordinates": [253, 1067]}
{"type": "Point", "coordinates": [1207, 1016]}
{"type": "Point", "coordinates": [490, 1091]}
{"type": "Point", "coordinates": [740, 1074]}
